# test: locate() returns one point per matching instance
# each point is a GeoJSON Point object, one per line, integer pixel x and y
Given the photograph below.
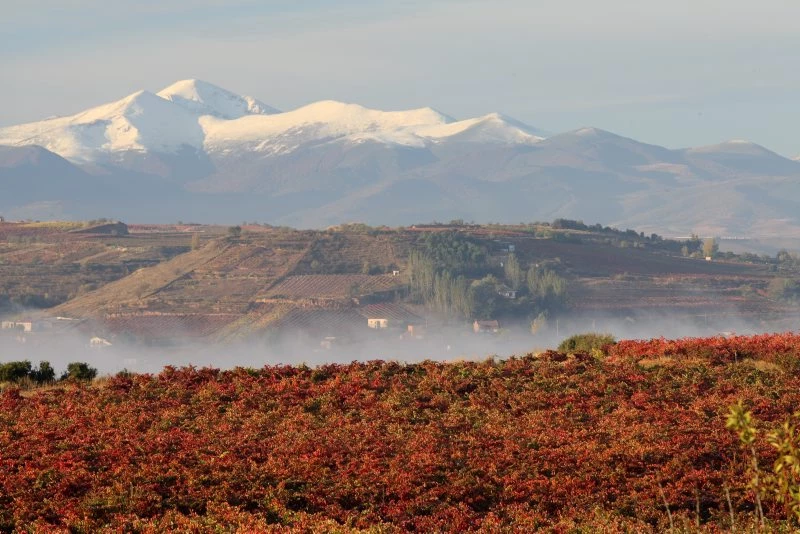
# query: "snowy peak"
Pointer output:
{"type": "Point", "coordinates": [492, 128]}
{"type": "Point", "coordinates": [135, 104]}
{"type": "Point", "coordinates": [204, 98]}
{"type": "Point", "coordinates": [356, 117]}
{"type": "Point", "coordinates": [140, 122]}
{"type": "Point", "coordinates": [591, 131]}
{"type": "Point", "coordinates": [206, 118]}
{"type": "Point", "coordinates": [323, 121]}
{"type": "Point", "coordinates": [588, 136]}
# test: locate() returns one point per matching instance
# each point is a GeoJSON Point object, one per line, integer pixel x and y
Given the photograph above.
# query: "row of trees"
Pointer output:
{"type": "Point", "coordinates": [21, 371]}
{"type": "Point", "coordinates": [433, 283]}
{"type": "Point", "coordinates": [439, 288]}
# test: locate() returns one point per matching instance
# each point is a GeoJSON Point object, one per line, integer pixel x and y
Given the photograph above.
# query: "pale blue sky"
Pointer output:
{"type": "Point", "coordinates": [675, 73]}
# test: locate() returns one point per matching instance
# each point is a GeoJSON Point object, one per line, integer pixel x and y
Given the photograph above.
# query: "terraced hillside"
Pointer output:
{"type": "Point", "coordinates": [240, 285]}
{"type": "Point", "coordinates": [224, 284]}
{"type": "Point", "coordinates": [46, 264]}
{"type": "Point", "coordinates": [334, 286]}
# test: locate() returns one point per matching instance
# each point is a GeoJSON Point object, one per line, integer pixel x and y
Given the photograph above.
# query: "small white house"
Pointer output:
{"type": "Point", "coordinates": [486, 327]}
{"type": "Point", "coordinates": [99, 342]}
{"type": "Point", "coordinates": [378, 322]}
{"type": "Point", "coordinates": [507, 292]}
{"type": "Point", "coordinates": [23, 326]}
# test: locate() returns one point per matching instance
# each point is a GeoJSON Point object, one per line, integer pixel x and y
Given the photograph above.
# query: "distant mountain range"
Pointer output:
{"type": "Point", "coordinates": [194, 151]}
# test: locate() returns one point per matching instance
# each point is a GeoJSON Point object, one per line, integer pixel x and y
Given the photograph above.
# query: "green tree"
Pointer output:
{"type": "Point", "coordinates": [235, 232]}
{"type": "Point", "coordinates": [422, 276]}
{"type": "Point", "coordinates": [461, 298]}
{"type": "Point", "coordinates": [484, 297]}
{"type": "Point", "coordinates": [513, 272]}
{"type": "Point", "coordinates": [547, 288]}
{"type": "Point", "coordinates": [442, 292]}
{"type": "Point", "coordinates": [539, 324]}
{"type": "Point", "coordinates": [14, 371]}
{"type": "Point", "coordinates": [79, 371]}
{"type": "Point", "coordinates": [45, 373]}
{"type": "Point", "coordinates": [710, 247]}
{"type": "Point", "coordinates": [354, 290]}
{"type": "Point", "coordinates": [783, 289]}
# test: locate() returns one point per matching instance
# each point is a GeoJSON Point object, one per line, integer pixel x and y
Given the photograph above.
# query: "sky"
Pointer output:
{"type": "Point", "coordinates": [676, 73]}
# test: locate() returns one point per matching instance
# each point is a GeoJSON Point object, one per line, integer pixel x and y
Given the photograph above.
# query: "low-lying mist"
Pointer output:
{"type": "Point", "coordinates": [298, 347]}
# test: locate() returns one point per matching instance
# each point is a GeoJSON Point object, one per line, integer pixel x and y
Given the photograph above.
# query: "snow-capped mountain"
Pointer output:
{"type": "Point", "coordinates": [330, 121]}
{"type": "Point", "coordinates": [140, 122]}
{"type": "Point", "coordinates": [200, 116]}
{"type": "Point", "coordinates": [203, 98]}
{"type": "Point", "coordinates": [195, 151]}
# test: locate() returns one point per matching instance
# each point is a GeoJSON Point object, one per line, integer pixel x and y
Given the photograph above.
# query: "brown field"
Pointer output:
{"type": "Point", "coordinates": [157, 327]}
{"type": "Point", "coordinates": [334, 285]}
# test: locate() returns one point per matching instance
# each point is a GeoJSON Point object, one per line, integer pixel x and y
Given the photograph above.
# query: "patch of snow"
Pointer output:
{"type": "Point", "coordinates": [204, 98]}
{"type": "Point", "coordinates": [139, 122]}
{"type": "Point", "coordinates": [320, 121]}
{"type": "Point", "coordinates": [492, 128]}
{"type": "Point", "coordinates": [203, 116]}
{"type": "Point", "coordinates": [586, 132]}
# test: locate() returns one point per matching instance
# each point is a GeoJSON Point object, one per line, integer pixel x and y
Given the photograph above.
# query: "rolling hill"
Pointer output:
{"type": "Point", "coordinates": [277, 281]}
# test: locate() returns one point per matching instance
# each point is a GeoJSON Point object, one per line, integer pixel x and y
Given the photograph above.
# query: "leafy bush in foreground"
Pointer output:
{"type": "Point", "coordinates": [589, 343]}
{"type": "Point", "coordinates": [79, 371]}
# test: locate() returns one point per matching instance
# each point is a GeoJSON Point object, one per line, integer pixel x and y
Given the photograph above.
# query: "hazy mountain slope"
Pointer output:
{"type": "Point", "coordinates": [740, 158]}
{"type": "Point", "coordinates": [195, 151]}
{"type": "Point", "coordinates": [35, 183]}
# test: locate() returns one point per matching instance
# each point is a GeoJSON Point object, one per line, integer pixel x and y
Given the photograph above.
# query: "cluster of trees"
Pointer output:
{"type": "Point", "coordinates": [450, 274]}
{"type": "Point", "coordinates": [696, 248]}
{"type": "Point", "coordinates": [784, 289]}
{"type": "Point", "coordinates": [17, 372]}
{"type": "Point", "coordinates": [454, 252]}
{"type": "Point", "coordinates": [546, 287]}
{"type": "Point", "coordinates": [439, 288]}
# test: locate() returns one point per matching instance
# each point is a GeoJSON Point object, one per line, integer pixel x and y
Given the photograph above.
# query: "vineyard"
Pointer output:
{"type": "Point", "coordinates": [631, 440]}
{"type": "Point", "coordinates": [258, 274]}
{"type": "Point", "coordinates": [335, 285]}
{"type": "Point", "coordinates": [164, 327]}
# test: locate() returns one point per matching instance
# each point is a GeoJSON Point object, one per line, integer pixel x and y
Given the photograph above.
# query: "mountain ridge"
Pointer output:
{"type": "Point", "coordinates": [194, 150]}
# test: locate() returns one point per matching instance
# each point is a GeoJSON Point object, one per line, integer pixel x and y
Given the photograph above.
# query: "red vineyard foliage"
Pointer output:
{"type": "Point", "coordinates": [773, 348]}
{"type": "Point", "coordinates": [551, 442]}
